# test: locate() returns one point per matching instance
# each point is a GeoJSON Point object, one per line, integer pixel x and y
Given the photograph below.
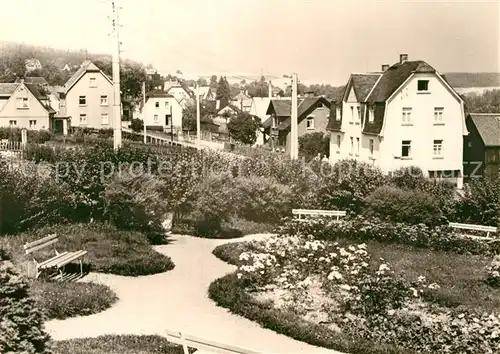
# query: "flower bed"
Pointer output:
{"type": "Point", "coordinates": [337, 290]}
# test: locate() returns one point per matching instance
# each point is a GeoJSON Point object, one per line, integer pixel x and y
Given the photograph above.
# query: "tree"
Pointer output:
{"type": "Point", "coordinates": [223, 92]}
{"type": "Point", "coordinates": [213, 82]}
{"type": "Point", "coordinates": [189, 116]}
{"type": "Point", "coordinates": [487, 102]}
{"type": "Point", "coordinates": [243, 128]}
{"type": "Point", "coordinates": [137, 125]}
{"type": "Point", "coordinates": [202, 82]}
{"type": "Point", "coordinates": [312, 144]}
{"type": "Point", "coordinates": [22, 323]}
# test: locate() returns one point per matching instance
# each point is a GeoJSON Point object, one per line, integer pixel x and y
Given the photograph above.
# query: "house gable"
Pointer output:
{"type": "Point", "coordinates": [35, 107]}
{"type": "Point", "coordinates": [352, 95]}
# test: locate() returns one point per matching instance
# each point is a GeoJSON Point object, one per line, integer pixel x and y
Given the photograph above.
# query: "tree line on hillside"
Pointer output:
{"type": "Point", "coordinates": [487, 102]}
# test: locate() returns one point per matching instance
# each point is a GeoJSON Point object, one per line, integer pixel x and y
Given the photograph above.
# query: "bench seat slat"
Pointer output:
{"type": "Point", "coordinates": [56, 261]}
{"type": "Point", "coordinates": [473, 227]}
{"type": "Point", "coordinates": [318, 212]}
{"type": "Point", "coordinates": [28, 245]}
{"type": "Point", "coordinates": [41, 246]}
{"type": "Point", "coordinates": [47, 263]}
{"type": "Point", "coordinates": [70, 257]}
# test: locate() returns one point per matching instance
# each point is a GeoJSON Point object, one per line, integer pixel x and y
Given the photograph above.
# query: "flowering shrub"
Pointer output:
{"type": "Point", "coordinates": [338, 286]}
{"type": "Point", "coordinates": [361, 229]}
{"type": "Point", "coordinates": [494, 272]}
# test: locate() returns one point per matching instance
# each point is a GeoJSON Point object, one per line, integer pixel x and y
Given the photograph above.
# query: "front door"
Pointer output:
{"type": "Point", "coordinates": [58, 126]}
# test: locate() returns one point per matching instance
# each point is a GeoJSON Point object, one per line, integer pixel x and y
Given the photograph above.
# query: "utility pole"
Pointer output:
{"type": "Point", "coordinates": [117, 132]}
{"type": "Point", "coordinates": [198, 123]}
{"type": "Point", "coordinates": [294, 146]}
{"type": "Point", "coordinates": [144, 110]}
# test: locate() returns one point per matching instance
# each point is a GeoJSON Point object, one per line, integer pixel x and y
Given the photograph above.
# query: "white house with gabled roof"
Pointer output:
{"type": "Point", "coordinates": [406, 115]}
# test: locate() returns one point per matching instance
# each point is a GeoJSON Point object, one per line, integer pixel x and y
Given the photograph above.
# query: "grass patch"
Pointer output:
{"type": "Point", "coordinates": [60, 300]}
{"type": "Point", "coordinates": [109, 250]}
{"type": "Point", "coordinates": [115, 344]}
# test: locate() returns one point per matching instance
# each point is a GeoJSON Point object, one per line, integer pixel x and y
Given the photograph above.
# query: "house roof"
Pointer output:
{"type": "Point", "coordinates": [488, 126]}
{"type": "Point", "coordinates": [232, 106]}
{"type": "Point", "coordinates": [281, 108]}
{"type": "Point", "coordinates": [33, 88]}
{"type": "Point", "coordinates": [32, 80]}
{"type": "Point", "coordinates": [241, 96]}
{"type": "Point", "coordinates": [268, 122]}
{"type": "Point", "coordinates": [7, 89]}
{"type": "Point", "coordinates": [259, 106]}
{"type": "Point", "coordinates": [394, 77]}
{"type": "Point", "coordinates": [338, 94]}
{"type": "Point", "coordinates": [305, 106]}
{"type": "Point", "coordinates": [87, 66]}
{"type": "Point", "coordinates": [363, 84]}
{"type": "Point", "coordinates": [158, 94]}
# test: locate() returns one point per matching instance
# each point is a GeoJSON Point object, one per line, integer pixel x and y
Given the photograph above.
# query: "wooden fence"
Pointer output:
{"type": "Point", "coordinates": [189, 341]}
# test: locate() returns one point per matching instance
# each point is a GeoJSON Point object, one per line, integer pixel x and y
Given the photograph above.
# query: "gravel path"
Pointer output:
{"type": "Point", "coordinates": [177, 300]}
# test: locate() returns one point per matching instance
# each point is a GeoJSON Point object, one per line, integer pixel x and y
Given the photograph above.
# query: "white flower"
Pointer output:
{"type": "Point", "coordinates": [433, 286]}
{"type": "Point", "coordinates": [421, 279]}
{"type": "Point", "coordinates": [383, 267]}
{"type": "Point", "coordinates": [239, 275]}
{"type": "Point", "coordinates": [334, 275]}
{"type": "Point", "coordinates": [345, 287]}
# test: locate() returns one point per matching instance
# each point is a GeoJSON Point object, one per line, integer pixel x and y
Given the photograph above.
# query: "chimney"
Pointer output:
{"type": "Point", "coordinates": [385, 67]}
{"type": "Point", "coordinates": [403, 58]}
{"type": "Point", "coordinates": [270, 90]}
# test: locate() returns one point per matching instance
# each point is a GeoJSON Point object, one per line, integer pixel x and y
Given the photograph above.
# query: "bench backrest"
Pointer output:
{"type": "Point", "coordinates": [318, 212]}
{"type": "Point", "coordinates": [40, 244]}
{"type": "Point", "coordinates": [473, 227]}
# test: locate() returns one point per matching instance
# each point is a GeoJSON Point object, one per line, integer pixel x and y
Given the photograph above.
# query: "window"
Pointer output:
{"type": "Point", "coordinates": [22, 103]}
{"type": "Point", "coordinates": [371, 115]}
{"type": "Point", "coordinates": [438, 115]}
{"type": "Point", "coordinates": [423, 85]}
{"type": "Point", "coordinates": [310, 123]}
{"type": "Point", "coordinates": [155, 118]}
{"type": "Point", "coordinates": [93, 82]}
{"type": "Point", "coordinates": [438, 148]}
{"type": "Point", "coordinates": [357, 142]}
{"type": "Point", "coordinates": [168, 119]}
{"type": "Point", "coordinates": [83, 119]}
{"type": "Point", "coordinates": [352, 114]}
{"type": "Point", "coordinates": [166, 104]}
{"type": "Point", "coordinates": [104, 100]}
{"type": "Point", "coordinates": [157, 104]}
{"type": "Point", "coordinates": [371, 144]}
{"type": "Point", "coordinates": [406, 148]}
{"type": "Point", "coordinates": [82, 101]}
{"type": "Point", "coordinates": [338, 141]}
{"type": "Point", "coordinates": [352, 144]}
{"type": "Point", "coordinates": [339, 114]}
{"type": "Point", "coordinates": [104, 119]}
{"type": "Point", "coordinates": [359, 113]}
{"type": "Point", "coordinates": [12, 123]}
{"type": "Point", "coordinates": [321, 105]}
{"type": "Point", "coordinates": [406, 116]}
{"type": "Point", "coordinates": [32, 124]}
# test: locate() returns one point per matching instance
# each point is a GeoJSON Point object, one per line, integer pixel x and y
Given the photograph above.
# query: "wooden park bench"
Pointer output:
{"type": "Point", "coordinates": [318, 213]}
{"type": "Point", "coordinates": [481, 228]}
{"type": "Point", "coordinates": [59, 260]}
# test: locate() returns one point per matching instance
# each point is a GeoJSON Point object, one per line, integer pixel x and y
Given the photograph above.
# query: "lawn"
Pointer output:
{"type": "Point", "coordinates": [109, 250]}
{"type": "Point", "coordinates": [460, 277]}
{"type": "Point", "coordinates": [115, 344]}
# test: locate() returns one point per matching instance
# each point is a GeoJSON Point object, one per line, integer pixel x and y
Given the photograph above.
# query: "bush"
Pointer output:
{"type": "Point", "coordinates": [21, 329]}
{"type": "Point", "coordinates": [136, 203]}
{"type": "Point", "coordinates": [61, 300]}
{"type": "Point", "coordinates": [260, 199]}
{"type": "Point", "coordinates": [41, 153]}
{"type": "Point", "coordinates": [480, 203]}
{"type": "Point", "coordinates": [313, 144]}
{"type": "Point", "coordinates": [39, 137]}
{"type": "Point", "coordinates": [13, 134]}
{"type": "Point", "coordinates": [494, 272]}
{"type": "Point", "coordinates": [399, 205]}
{"type": "Point", "coordinates": [347, 184]}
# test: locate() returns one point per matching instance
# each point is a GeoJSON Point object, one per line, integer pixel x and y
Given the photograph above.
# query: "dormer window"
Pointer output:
{"type": "Point", "coordinates": [93, 82]}
{"type": "Point", "coordinates": [371, 115]}
{"type": "Point", "coordinates": [423, 85]}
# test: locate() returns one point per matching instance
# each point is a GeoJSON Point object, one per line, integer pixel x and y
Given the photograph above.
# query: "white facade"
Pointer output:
{"type": "Point", "coordinates": [162, 111]}
{"type": "Point", "coordinates": [422, 128]}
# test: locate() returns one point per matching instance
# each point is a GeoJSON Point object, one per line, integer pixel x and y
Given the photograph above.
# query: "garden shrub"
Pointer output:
{"type": "Point", "coordinates": [41, 153]}
{"type": "Point", "coordinates": [21, 326]}
{"type": "Point", "coordinates": [9, 133]}
{"type": "Point", "coordinates": [346, 185]}
{"type": "Point", "coordinates": [39, 137]}
{"type": "Point", "coordinates": [260, 199]}
{"type": "Point", "coordinates": [313, 144]}
{"type": "Point", "coordinates": [403, 205]}
{"type": "Point", "coordinates": [136, 203]}
{"type": "Point", "coordinates": [480, 203]}
{"type": "Point", "coordinates": [361, 229]}
{"type": "Point", "coordinates": [494, 272]}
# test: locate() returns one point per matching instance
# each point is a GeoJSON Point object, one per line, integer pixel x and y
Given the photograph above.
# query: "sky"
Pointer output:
{"type": "Point", "coordinates": [321, 40]}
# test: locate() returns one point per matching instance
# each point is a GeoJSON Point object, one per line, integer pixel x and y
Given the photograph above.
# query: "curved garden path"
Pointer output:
{"type": "Point", "coordinates": [177, 300]}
